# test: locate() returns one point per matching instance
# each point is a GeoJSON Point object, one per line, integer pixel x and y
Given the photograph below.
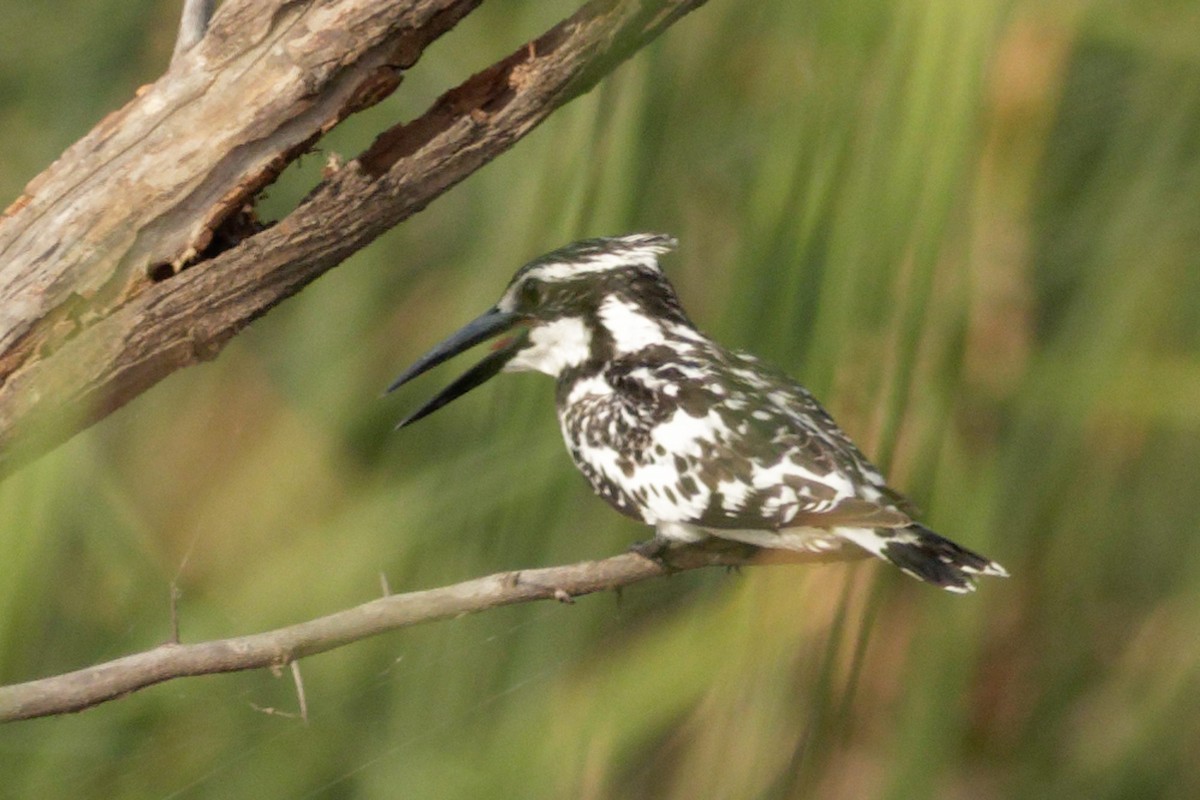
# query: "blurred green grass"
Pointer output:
{"type": "Point", "coordinates": [971, 229]}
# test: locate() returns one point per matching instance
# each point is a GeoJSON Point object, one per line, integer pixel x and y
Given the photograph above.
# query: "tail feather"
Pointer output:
{"type": "Point", "coordinates": [926, 556]}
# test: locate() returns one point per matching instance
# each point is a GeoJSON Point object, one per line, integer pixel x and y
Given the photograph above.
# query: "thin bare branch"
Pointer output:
{"type": "Point", "coordinates": [75, 691]}
{"type": "Point", "coordinates": [193, 23]}
{"type": "Point", "coordinates": [301, 696]}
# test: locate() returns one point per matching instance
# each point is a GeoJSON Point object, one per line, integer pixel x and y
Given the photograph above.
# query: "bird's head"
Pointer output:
{"type": "Point", "coordinates": [590, 301]}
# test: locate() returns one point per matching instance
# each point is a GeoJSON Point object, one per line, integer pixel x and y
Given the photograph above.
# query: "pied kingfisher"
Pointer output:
{"type": "Point", "coordinates": [676, 431]}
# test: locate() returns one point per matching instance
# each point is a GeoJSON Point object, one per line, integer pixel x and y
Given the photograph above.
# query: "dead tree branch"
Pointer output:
{"type": "Point", "coordinates": [75, 691]}
{"type": "Point", "coordinates": [136, 253]}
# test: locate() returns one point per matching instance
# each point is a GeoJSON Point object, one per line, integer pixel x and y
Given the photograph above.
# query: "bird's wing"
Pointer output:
{"type": "Point", "coordinates": [773, 458]}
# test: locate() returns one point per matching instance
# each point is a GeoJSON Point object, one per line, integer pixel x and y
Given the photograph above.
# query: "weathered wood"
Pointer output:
{"type": "Point", "coordinates": [148, 186]}
{"type": "Point", "coordinates": [105, 282]}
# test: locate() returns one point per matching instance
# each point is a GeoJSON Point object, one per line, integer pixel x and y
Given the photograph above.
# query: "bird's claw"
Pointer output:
{"type": "Point", "coordinates": [655, 550]}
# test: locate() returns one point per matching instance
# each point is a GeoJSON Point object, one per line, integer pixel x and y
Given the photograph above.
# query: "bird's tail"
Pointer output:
{"type": "Point", "coordinates": [926, 556]}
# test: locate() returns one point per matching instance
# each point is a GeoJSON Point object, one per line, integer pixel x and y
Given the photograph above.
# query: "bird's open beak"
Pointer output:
{"type": "Point", "coordinates": [493, 323]}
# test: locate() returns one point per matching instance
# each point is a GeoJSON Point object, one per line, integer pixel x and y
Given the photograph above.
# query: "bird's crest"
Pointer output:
{"type": "Point", "coordinates": [599, 255]}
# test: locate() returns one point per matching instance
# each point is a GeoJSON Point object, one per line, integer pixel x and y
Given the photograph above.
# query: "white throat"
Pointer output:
{"type": "Point", "coordinates": [553, 347]}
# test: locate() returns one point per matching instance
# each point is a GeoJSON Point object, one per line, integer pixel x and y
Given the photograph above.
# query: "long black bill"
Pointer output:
{"type": "Point", "coordinates": [490, 324]}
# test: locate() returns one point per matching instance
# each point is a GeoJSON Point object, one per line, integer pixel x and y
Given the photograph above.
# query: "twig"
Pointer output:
{"type": "Point", "coordinates": [193, 23]}
{"type": "Point", "coordinates": [84, 688]}
{"type": "Point", "coordinates": [301, 697]}
{"type": "Point", "coordinates": [176, 594]}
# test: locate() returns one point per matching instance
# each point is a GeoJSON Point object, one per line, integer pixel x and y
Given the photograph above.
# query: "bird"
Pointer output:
{"type": "Point", "coordinates": [680, 433]}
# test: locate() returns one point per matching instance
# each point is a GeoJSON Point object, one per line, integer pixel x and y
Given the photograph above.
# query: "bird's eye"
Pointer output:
{"type": "Point", "coordinates": [531, 294]}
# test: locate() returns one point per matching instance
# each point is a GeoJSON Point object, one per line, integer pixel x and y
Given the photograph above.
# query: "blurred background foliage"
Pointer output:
{"type": "Point", "coordinates": [971, 228]}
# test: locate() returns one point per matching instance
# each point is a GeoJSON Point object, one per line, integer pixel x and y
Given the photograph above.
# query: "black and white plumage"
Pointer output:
{"type": "Point", "coordinates": [676, 431]}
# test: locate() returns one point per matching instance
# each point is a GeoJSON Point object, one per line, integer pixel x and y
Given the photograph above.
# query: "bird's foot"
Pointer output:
{"type": "Point", "coordinates": [654, 549]}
